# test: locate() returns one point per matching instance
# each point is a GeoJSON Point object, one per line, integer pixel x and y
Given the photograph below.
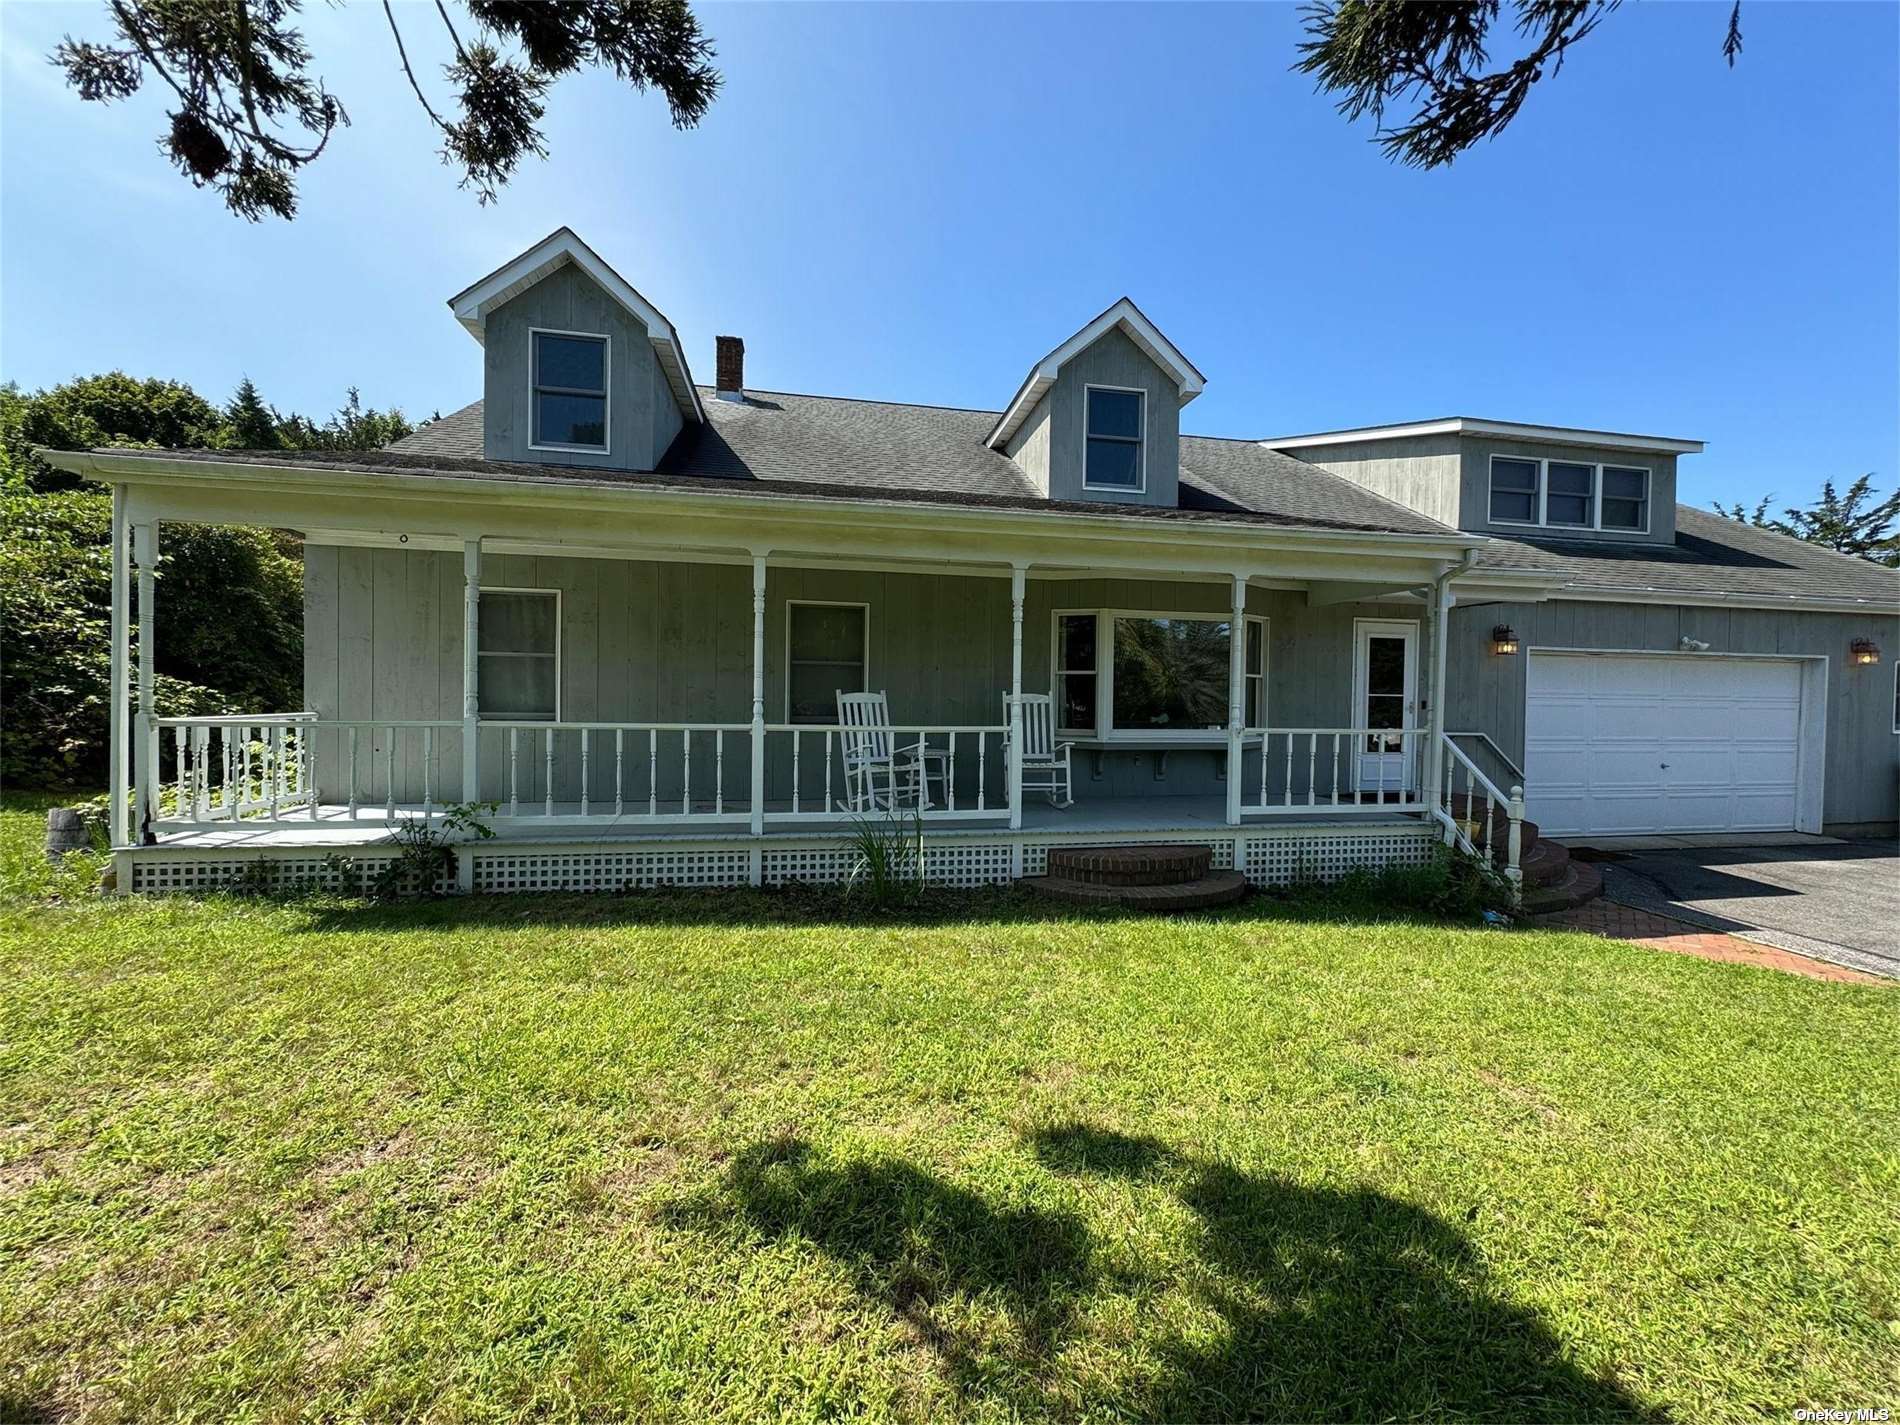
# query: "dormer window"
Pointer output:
{"type": "Point", "coordinates": [1626, 498]}
{"type": "Point", "coordinates": [569, 381]}
{"type": "Point", "coordinates": [1115, 417]}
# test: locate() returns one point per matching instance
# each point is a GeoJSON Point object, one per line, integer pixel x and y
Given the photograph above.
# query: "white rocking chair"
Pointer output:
{"type": "Point", "coordinates": [1045, 761]}
{"type": "Point", "coordinates": [878, 774]}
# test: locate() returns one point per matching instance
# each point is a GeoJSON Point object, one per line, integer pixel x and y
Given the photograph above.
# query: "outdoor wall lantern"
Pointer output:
{"type": "Point", "coordinates": [1863, 653]}
{"type": "Point", "coordinates": [1504, 640]}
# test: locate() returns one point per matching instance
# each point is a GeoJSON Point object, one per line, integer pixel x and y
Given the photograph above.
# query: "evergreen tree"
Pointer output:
{"type": "Point", "coordinates": [1835, 520]}
{"type": "Point", "coordinates": [251, 424]}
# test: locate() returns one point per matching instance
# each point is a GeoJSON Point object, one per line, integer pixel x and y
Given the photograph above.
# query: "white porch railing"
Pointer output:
{"type": "Point", "coordinates": [1472, 824]}
{"type": "Point", "coordinates": [962, 772]}
{"type": "Point", "coordinates": [592, 771]}
{"type": "Point", "coordinates": [1301, 770]}
{"type": "Point", "coordinates": [232, 767]}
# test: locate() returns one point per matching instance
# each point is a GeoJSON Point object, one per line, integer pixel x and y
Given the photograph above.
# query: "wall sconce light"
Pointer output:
{"type": "Point", "coordinates": [1863, 653]}
{"type": "Point", "coordinates": [1504, 640]}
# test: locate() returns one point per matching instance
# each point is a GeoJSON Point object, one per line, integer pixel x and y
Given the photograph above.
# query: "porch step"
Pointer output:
{"type": "Point", "coordinates": [1217, 888]}
{"type": "Point", "coordinates": [1545, 864]}
{"type": "Point", "coordinates": [1130, 865]}
{"type": "Point", "coordinates": [1579, 882]}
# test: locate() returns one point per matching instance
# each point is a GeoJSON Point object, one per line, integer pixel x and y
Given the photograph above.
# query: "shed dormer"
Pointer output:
{"type": "Point", "coordinates": [1099, 418]}
{"type": "Point", "coordinates": [578, 367]}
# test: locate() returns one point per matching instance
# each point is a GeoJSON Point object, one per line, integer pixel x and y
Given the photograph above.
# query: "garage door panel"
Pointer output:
{"type": "Point", "coordinates": [1626, 744]}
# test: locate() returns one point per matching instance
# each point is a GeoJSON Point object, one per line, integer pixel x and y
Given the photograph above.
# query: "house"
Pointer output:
{"type": "Point", "coordinates": [620, 607]}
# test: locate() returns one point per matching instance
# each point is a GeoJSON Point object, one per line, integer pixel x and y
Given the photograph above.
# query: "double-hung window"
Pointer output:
{"type": "Point", "coordinates": [1625, 498]}
{"type": "Point", "coordinates": [518, 654]}
{"type": "Point", "coordinates": [1112, 460]}
{"type": "Point", "coordinates": [1570, 494]}
{"type": "Point", "coordinates": [1076, 671]}
{"type": "Point", "coordinates": [569, 382]}
{"type": "Point", "coordinates": [1514, 490]}
{"type": "Point", "coordinates": [825, 655]}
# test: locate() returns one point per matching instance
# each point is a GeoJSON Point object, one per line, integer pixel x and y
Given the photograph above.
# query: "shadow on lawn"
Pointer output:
{"type": "Point", "coordinates": [1334, 1304]}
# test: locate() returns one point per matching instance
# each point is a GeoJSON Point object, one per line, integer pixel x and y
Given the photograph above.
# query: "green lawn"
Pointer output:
{"type": "Point", "coordinates": [732, 1158]}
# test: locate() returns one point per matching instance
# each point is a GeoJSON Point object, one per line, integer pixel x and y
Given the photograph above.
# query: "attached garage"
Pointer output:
{"type": "Point", "coordinates": [1625, 744]}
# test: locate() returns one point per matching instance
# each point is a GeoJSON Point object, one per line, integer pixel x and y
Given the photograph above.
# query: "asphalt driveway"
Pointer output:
{"type": "Point", "coordinates": [1836, 901]}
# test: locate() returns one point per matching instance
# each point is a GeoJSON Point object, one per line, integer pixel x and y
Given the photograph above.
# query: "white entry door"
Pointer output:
{"type": "Point", "coordinates": [1624, 744]}
{"type": "Point", "coordinates": [1385, 699]}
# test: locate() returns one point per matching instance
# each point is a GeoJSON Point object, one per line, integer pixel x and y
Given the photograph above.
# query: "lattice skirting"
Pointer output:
{"type": "Point", "coordinates": [202, 872]}
{"type": "Point", "coordinates": [592, 870]}
{"type": "Point", "coordinates": [1267, 856]}
{"type": "Point", "coordinates": [1329, 853]}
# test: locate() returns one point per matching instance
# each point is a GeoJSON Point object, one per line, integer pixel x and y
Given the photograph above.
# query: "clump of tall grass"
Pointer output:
{"type": "Point", "coordinates": [889, 865]}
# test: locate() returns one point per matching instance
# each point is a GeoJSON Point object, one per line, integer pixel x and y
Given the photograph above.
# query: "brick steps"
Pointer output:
{"type": "Point", "coordinates": [1130, 865]}
{"type": "Point", "coordinates": [1217, 888]}
{"type": "Point", "coordinates": [1545, 864]}
{"type": "Point", "coordinates": [1579, 883]}
{"type": "Point", "coordinates": [1151, 878]}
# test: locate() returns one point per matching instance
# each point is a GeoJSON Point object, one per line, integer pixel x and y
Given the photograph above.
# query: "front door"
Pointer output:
{"type": "Point", "coordinates": [1385, 702]}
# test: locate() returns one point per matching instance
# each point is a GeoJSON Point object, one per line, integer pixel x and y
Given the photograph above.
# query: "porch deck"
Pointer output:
{"type": "Point", "coordinates": [1196, 817]}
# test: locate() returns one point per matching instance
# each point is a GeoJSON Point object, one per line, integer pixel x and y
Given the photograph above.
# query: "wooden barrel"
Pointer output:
{"type": "Point", "coordinates": [65, 831]}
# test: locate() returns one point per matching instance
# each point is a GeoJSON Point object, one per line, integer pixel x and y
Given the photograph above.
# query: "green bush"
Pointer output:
{"type": "Point", "coordinates": [1450, 886]}
{"type": "Point", "coordinates": [229, 631]}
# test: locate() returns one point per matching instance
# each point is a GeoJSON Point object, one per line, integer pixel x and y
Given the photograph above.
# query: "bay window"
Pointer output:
{"type": "Point", "coordinates": [1138, 676]}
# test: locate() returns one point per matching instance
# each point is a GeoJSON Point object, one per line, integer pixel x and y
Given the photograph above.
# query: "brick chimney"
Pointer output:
{"type": "Point", "coordinates": [729, 365]}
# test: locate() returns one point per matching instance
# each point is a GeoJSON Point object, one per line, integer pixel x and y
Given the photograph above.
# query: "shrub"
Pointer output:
{"type": "Point", "coordinates": [1452, 885]}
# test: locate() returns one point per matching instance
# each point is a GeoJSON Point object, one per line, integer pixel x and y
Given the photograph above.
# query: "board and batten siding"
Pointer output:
{"type": "Point", "coordinates": [1485, 692]}
{"type": "Point", "coordinates": [643, 417]}
{"type": "Point", "coordinates": [1421, 472]}
{"type": "Point", "coordinates": [646, 641]}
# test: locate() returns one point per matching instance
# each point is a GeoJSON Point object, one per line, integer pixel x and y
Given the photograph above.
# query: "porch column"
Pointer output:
{"type": "Point", "coordinates": [471, 670]}
{"type": "Point", "coordinates": [758, 699]}
{"type": "Point", "coordinates": [145, 551]}
{"type": "Point", "coordinates": [1236, 696]}
{"type": "Point", "coordinates": [1018, 582]}
{"type": "Point", "coordinates": [120, 822]}
{"type": "Point", "coordinates": [1442, 599]}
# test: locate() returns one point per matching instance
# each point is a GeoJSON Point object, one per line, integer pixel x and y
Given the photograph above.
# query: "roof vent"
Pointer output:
{"type": "Point", "coordinates": [729, 368]}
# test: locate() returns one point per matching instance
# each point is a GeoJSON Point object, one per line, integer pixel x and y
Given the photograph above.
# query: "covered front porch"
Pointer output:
{"type": "Point", "coordinates": [672, 679]}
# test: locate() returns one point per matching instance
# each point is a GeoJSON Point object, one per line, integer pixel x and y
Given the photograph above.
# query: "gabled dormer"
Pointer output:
{"type": "Point", "coordinates": [1099, 418]}
{"type": "Point", "coordinates": [578, 368]}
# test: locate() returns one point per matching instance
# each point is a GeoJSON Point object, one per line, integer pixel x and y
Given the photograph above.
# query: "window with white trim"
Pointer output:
{"type": "Point", "coordinates": [1076, 670]}
{"type": "Point", "coordinates": [518, 654]}
{"type": "Point", "coordinates": [1256, 672]}
{"type": "Point", "coordinates": [1134, 675]}
{"type": "Point", "coordinates": [1570, 494]}
{"type": "Point", "coordinates": [1514, 489]}
{"type": "Point", "coordinates": [1625, 498]}
{"type": "Point", "coordinates": [826, 652]}
{"type": "Point", "coordinates": [569, 380]}
{"type": "Point", "coordinates": [1112, 459]}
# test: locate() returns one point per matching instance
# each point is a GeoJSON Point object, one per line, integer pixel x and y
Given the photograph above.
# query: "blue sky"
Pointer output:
{"type": "Point", "coordinates": [915, 202]}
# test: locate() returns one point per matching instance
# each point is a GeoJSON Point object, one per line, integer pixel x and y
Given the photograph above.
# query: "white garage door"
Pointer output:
{"type": "Point", "coordinates": [1617, 744]}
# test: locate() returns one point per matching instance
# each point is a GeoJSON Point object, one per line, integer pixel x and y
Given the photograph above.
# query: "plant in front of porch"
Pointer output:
{"type": "Point", "coordinates": [888, 867]}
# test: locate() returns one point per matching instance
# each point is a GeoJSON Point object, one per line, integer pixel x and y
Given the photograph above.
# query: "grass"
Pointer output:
{"type": "Point", "coordinates": [736, 1158]}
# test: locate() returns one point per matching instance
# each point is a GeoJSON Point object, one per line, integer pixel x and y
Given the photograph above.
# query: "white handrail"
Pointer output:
{"type": "Point", "coordinates": [1485, 845]}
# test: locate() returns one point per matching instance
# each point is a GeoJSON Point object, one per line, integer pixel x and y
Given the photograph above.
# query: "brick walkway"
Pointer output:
{"type": "Point", "coordinates": [1622, 922]}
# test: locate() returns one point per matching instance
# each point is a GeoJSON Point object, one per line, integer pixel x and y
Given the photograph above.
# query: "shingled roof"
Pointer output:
{"type": "Point", "coordinates": [834, 445]}
{"type": "Point", "coordinates": [1712, 555]}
